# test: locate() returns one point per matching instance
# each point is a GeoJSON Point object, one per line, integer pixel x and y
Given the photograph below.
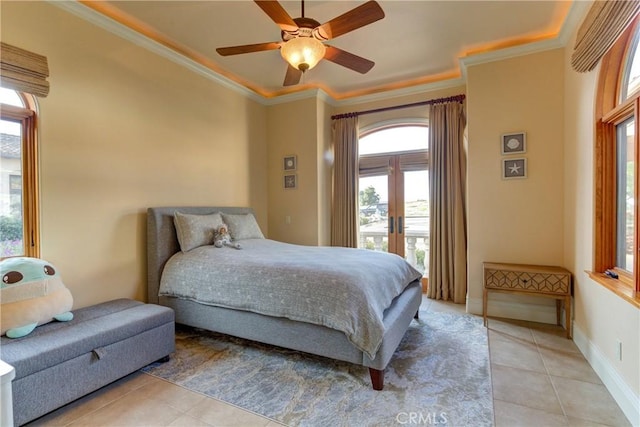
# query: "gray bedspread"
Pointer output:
{"type": "Point", "coordinates": [340, 288]}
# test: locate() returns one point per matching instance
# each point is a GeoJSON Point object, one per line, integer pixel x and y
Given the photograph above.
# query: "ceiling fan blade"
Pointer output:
{"type": "Point", "coordinates": [349, 60]}
{"type": "Point", "coordinates": [277, 13]}
{"type": "Point", "coordinates": [292, 77]}
{"type": "Point", "coordinates": [362, 15]}
{"type": "Point", "coordinates": [247, 48]}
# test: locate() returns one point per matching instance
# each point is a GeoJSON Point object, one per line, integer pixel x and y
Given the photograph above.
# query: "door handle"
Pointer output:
{"type": "Point", "coordinates": [390, 225]}
{"type": "Point", "coordinates": [399, 225]}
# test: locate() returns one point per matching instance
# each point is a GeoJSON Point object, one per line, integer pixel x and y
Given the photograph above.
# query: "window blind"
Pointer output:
{"type": "Point", "coordinates": [23, 71]}
{"type": "Point", "coordinates": [374, 165]}
{"type": "Point", "coordinates": [602, 26]}
{"type": "Point", "coordinates": [414, 161]}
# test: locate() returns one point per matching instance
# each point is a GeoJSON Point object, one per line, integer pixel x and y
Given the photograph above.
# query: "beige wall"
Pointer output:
{"type": "Point", "coordinates": [324, 161]}
{"type": "Point", "coordinates": [601, 317]}
{"type": "Point", "coordinates": [292, 130]}
{"type": "Point", "coordinates": [518, 221]}
{"type": "Point", "coordinates": [121, 130]}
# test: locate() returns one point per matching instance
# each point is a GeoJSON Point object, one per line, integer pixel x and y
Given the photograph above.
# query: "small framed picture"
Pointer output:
{"type": "Point", "coordinates": [290, 182]}
{"type": "Point", "coordinates": [514, 168]}
{"type": "Point", "coordinates": [289, 163]}
{"type": "Point", "coordinates": [513, 143]}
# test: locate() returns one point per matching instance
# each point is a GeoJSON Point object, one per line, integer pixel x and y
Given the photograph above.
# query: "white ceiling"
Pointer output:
{"type": "Point", "coordinates": [417, 42]}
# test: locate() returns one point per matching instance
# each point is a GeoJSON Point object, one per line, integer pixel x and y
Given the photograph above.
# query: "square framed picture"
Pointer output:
{"type": "Point", "coordinates": [514, 168]}
{"type": "Point", "coordinates": [513, 143]}
{"type": "Point", "coordinates": [290, 182]}
{"type": "Point", "coordinates": [290, 163]}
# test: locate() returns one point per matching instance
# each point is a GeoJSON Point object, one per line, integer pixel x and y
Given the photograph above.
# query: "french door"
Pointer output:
{"type": "Point", "coordinates": [394, 205]}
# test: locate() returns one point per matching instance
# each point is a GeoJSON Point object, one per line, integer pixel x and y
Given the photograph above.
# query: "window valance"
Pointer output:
{"type": "Point", "coordinates": [23, 71]}
{"type": "Point", "coordinates": [373, 165]}
{"type": "Point", "coordinates": [414, 161]}
{"type": "Point", "coordinates": [602, 26]}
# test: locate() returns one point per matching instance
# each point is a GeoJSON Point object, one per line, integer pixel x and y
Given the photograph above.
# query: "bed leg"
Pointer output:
{"type": "Point", "coordinates": [417, 315]}
{"type": "Point", "coordinates": [377, 378]}
{"type": "Point", "coordinates": [164, 359]}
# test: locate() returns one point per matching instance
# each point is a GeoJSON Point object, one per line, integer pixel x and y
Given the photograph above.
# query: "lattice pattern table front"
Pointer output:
{"type": "Point", "coordinates": [535, 282]}
{"type": "Point", "coordinates": [547, 281]}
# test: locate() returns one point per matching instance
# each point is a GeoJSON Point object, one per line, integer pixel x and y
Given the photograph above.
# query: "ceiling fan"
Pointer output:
{"type": "Point", "coordinates": [302, 39]}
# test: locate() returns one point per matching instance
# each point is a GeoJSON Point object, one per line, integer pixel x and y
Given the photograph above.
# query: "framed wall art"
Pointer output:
{"type": "Point", "coordinates": [290, 163]}
{"type": "Point", "coordinates": [290, 182]}
{"type": "Point", "coordinates": [514, 168]}
{"type": "Point", "coordinates": [513, 143]}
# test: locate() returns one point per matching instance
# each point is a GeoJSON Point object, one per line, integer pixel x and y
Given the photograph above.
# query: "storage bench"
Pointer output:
{"type": "Point", "coordinates": [60, 362]}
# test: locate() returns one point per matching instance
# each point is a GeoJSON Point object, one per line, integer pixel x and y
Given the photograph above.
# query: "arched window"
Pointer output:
{"type": "Point", "coordinates": [616, 157]}
{"type": "Point", "coordinates": [394, 191]}
{"type": "Point", "coordinates": [19, 219]}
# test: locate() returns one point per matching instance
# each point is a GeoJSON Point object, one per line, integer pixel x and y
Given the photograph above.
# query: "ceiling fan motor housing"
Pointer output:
{"type": "Point", "coordinates": [306, 27]}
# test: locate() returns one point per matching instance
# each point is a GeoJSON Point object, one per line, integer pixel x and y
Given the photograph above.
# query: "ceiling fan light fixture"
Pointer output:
{"type": "Point", "coordinates": [303, 53]}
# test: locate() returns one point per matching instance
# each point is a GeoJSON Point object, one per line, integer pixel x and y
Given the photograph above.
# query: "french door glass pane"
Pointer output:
{"type": "Point", "coordinates": [11, 189]}
{"type": "Point", "coordinates": [373, 210]}
{"type": "Point", "coordinates": [416, 219]}
{"type": "Point", "coordinates": [625, 152]}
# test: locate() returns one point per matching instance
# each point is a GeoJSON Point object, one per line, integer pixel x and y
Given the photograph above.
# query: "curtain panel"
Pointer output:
{"type": "Point", "coordinates": [23, 71]}
{"type": "Point", "coordinates": [447, 230]}
{"type": "Point", "coordinates": [344, 223]}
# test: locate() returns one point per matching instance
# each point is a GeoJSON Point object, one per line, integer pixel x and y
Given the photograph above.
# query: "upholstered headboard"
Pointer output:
{"type": "Point", "coordinates": [162, 240]}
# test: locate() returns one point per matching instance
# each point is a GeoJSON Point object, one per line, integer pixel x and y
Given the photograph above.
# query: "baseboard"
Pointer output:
{"type": "Point", "coordinates": [514, 310]}
{"type": "Point", "coordinates": [621, 392]}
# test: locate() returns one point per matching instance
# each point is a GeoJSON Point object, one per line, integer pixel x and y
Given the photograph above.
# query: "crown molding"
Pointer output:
{"type": "Point", "coordinates": [571, 22]}
{"type": "Point", "coordinates": [297, 96]}
{"type": "Point", "coordinates": [407, 91]}
{"type": "Point", "coordinates": [120, 30]}
{"type": "Point", "coordinates": [573, 19]}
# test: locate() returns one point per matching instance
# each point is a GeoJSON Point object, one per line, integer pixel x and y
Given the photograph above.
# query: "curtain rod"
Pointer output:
{"type": "Point", "coordinates": [458, 98]}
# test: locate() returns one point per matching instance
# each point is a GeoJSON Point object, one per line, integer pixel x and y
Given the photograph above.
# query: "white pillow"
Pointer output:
{"type": "Point", "coordinates": [195, 230]}
{"type": "Point", "coordinates": [242, 226]}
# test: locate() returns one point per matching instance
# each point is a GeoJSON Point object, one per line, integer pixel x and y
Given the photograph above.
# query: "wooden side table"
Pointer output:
{"type": "Point", "coordinates": [523, 279]}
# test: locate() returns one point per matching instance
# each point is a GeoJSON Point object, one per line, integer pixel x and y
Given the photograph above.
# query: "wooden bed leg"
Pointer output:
{"type": "Point", "coordinates": [377, 378]}
{"type": "Point", "coordinates": [417, 315]}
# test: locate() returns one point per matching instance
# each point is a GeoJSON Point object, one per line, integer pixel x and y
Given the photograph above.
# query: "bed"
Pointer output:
{"type": "Point", "coordinates": [321, 338]}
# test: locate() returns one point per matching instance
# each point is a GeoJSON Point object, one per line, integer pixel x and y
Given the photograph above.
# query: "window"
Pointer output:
{"type": "Point", "coordinates": [394, 192]}
{"type": "Point", "coordinates": [617, 152]}
{"type": "Point", "coordinates": [19, 225]}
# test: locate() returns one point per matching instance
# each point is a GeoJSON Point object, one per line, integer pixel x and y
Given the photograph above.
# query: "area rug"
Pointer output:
{"type": "Point", "coordinates": [439, 375]}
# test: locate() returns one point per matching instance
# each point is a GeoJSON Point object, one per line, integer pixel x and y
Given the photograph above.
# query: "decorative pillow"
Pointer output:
{"type": "Point", "coordinates": [242, 226]}
{"type": "Point", "coordinates": [195, 230]}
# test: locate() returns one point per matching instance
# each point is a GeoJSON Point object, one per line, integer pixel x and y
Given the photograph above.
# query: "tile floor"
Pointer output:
{"type": "Point", "coordinates": [539, 379]}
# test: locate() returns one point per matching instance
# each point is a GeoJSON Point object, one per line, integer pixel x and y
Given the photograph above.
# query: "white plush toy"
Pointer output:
{"type": "Point", "coordinates": [221, 237]}
{"type": "Point", "coordinates": [32, 294]}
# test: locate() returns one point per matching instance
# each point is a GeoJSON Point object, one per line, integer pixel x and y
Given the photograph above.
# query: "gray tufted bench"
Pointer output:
{"type": "Point", "coordinates": [62, 361]}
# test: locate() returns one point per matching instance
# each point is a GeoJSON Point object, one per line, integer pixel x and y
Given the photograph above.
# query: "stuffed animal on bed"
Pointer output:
{"type": "Point", "coordinates": [221, 237]}
{"type": "Point", "coordinates": [32, 294]}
